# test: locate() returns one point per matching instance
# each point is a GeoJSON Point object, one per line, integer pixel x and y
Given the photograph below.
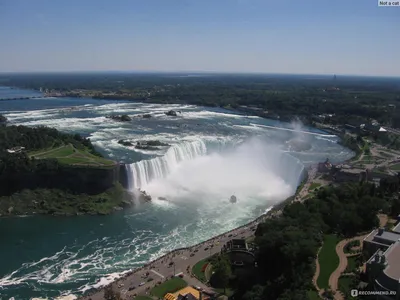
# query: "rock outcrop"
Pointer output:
{"type": "Point", "coordinates": [125, 143]}
{"type": "Point", "coordinates": [171, 113]}
{"type": "Point", "coordinates": [121, 118]}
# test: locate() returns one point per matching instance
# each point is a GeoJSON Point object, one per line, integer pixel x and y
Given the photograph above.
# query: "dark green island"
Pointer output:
{"type": "Point", "coordinates": [44, 171]}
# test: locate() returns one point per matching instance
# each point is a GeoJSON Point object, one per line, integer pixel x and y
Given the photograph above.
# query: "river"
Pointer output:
{"type": "Point", "coordinates": [214, 153]}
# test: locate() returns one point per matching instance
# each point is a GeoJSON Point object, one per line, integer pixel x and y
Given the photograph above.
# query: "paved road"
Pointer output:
{"type": "Point", "coordinates": [175, 263]}
{"type": "Point", "coordinates": [182, 261]}
{"type": "Point", "coordinates": [304, 191]}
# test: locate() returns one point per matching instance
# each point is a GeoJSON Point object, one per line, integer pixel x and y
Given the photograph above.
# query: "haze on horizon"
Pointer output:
{"type": "Point", "coordinates": [298, 37]}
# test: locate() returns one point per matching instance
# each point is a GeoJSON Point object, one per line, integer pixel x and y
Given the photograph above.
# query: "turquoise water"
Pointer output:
{"type": "Point", "coordinates": [213, 154]}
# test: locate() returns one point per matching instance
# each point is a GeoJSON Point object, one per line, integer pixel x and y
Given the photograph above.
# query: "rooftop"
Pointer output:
{"type": "Point", "coordinates": [190, 293]}
{"type": "Point", "coordinates": [397, 228]}
{"type": "Point", "coordinates": [237, 244]}
{"type": "Point", "coordinates": [393, 257]}
{"type": "Point", "coordinates": [381, 235]}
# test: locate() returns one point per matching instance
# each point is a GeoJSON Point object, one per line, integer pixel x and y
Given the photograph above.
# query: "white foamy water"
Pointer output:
{"type": "Point", "coordinates": [213, 154]}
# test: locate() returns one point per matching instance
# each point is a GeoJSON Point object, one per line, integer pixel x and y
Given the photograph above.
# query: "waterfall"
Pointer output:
{"type": "Point", "coordinates": [291, 169]}
{"type": "Point", "coordinates": [284, 165]}
{"type": "Point", "coordinates": [142, 172]}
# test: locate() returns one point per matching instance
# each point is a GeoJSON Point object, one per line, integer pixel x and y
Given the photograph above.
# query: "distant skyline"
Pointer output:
{"type": "Point", "coordinates": [349, 37]}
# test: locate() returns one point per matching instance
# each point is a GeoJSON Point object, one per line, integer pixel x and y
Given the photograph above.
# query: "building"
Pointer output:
{"type": "Point", "coordinates": [383, 270]}
{"type": "Point", "coordinates": [380, 239]}
{"type": "Point", "coordinates": [236, 244]}
{"type": "Point", "coordinates": [383, 267]}
{"type": "Point", "coordinates": [353, 175]}
{"type": "Point", "coordinates": [238, 252]}
{"type": "Point", "coordinates": [187, 293]}
{"type": "Point", "coordinates": [324, 167]}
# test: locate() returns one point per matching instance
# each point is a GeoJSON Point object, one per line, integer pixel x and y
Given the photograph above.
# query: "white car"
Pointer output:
{"type": "Point", "coordinates": [142, 283]}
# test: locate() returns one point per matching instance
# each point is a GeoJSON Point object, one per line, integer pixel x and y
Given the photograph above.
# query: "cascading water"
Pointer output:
{"type": "Point", "coordinates": [141, 173]}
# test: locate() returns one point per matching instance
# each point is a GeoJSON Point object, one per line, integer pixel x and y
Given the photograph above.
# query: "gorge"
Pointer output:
{"type": "Point", "coordinates": [213, 154]}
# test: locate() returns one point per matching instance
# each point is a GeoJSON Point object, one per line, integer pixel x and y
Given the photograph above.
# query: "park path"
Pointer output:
{"type": "Point", "coordinates": [334, 278]}
{"type": "Point", "coordinates": [304, 191]}
{"type": "Point", "coordinates": [316, 274]}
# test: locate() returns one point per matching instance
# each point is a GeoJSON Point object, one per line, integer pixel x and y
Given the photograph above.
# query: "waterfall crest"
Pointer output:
{"type": "Point", "coordinates": [142, 172]}
{"type": "Point", "coordinates": [284, 165]}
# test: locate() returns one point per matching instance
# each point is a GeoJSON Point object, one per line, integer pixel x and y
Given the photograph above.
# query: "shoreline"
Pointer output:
{"type": "Point", "coordinates": [271, 212]}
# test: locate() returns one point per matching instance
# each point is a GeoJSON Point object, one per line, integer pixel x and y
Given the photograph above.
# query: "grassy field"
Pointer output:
{"type": "Point", "coordinates": [197, 269]}
{"type": "Point", "coordinates": [395, 167]}
{"type": "Point", "coordinates": [170, 286]}
{"type": "Point", "coordinates": [314, 185]}
{"type": "Point", "coordinates": [69, 155]}
{"type": "Point", "coordinates": [313, 295]}
{"type": "Point", "coordinates": [351, 264]}
{"type": "Point", "coordinates": [328, 260]}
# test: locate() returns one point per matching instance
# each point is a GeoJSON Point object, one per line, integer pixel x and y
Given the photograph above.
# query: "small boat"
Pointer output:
{"type": "Point", "coordinates": [233, 199]}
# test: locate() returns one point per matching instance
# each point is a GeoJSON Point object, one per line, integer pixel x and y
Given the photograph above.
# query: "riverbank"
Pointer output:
{"type": "Point", "coordinates": [176, 262]}
{"type": "Point", "coordinates": [183, 258]}
{"type": "Point", "coordinates": [63, 203]}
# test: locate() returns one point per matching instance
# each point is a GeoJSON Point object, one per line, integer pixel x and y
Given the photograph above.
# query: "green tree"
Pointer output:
{"type": "Point", "coordinates": [110, 294]}
{"type": "Point", "coordinates": [222, 272]}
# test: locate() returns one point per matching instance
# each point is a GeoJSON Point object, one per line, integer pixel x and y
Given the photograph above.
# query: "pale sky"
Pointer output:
{"type": "Point", "coordinates": [307, 36]}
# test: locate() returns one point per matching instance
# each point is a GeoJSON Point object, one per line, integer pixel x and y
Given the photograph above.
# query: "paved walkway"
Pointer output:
{"type": "Point", "coordinates": [304, 191]}
{"type": "Point", "coordinates": [176, 262]}
{"type": "Point", "coordinates": [334, 278]}
{"type": "Point", "coordinates": [316, 275]}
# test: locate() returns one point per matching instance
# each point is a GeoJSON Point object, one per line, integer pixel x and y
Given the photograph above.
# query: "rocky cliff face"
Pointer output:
{"type": "Point", "coordinates": [123, 176]}
{"type": "Point", "coordinates": [75, 180]}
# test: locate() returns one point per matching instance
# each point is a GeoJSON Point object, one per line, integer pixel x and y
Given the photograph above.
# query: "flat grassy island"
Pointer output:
{"type": "Point", "coordinates": [43, 171]}
{"type": "Point", "coordinates": [69, 155]}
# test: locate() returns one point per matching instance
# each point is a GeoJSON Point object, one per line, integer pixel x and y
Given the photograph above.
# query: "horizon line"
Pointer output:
{"type": "Point", "coordinates": [192, 72]}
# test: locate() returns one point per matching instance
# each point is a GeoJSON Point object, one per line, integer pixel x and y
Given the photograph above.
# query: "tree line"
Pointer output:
{"type": "Point", "coordinates": [15, 166]}
{"type": "Point", "coordinates": [287, 245]}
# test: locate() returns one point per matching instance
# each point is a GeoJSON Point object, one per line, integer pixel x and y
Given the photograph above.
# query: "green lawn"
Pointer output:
{"type": "Point", "coordinates": [313, 295]}
{"type": "Point", "coordinates": [349, 245]}
{"type": "Point", "coordinates": [314, 185]}
{"type": "Point", "coordinates": [170, 286]}
{"type": "Point", "coordinates": [71, 156]}
{"type": "Point", "coordinates": [328, 260]}
{"type": "Point", "coordinates": [345, 284]}
{"type": "Point", "coordinates": [351, 264]}
{"type": "Point", "coordinates": [197, 269]}
{"type": "Point", "coordinates": [395, 167]}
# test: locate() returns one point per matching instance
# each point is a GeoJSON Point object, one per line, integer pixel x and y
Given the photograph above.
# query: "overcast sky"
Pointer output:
{"type": "Point", "coordinates": [282, 36]}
